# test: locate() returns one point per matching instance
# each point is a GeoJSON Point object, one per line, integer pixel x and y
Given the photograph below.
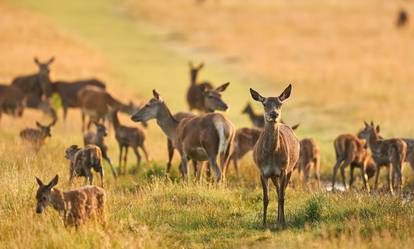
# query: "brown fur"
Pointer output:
{"type": "Point", "coordinates": [309, 157]}
{"type": "Point", "coordinates": [126, 137]}
{"type": "Point", "coordinates": [76, 206]}
{"type": "Point", "coordinates": [12, 101]}
{"type": "Point", "coordinates": [37, 137]}
{"type": "Point", "coordinates": [276, 152]}
{"type": "Point", "coordinates": [201, 138]}
{"type": "Point", "coordinates": [402, 18]}
{"type": "Point", "coordinates": [195, 98]}
{"type": "Point", "coordinates": [82, 161]}
{"type": "Point", "coordinates": [257, 119]}
{"type": "Point", "coordinates": [385, 152]}
{"type": "Point", "coordinates": [68, 92]}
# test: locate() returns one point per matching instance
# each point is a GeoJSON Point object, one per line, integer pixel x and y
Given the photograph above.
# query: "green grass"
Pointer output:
{"type": "Point", "coordinates": [147, 210]}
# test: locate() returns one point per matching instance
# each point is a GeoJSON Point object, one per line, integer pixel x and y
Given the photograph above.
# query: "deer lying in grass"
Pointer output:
{"type": "Point", "coordinates": [37, 137]}
{"type": "Point", "coordinates": [76, 206]}
{"type": "Point", "coordinates": [200, 138]}
{"type": "Point", "coordinates": [385, 152]}
{"type": "Point", "coordinates": [350, 150]}
{"type": "Point", "coordinates": [97, 138]}
{"type": "Point", "coordinates": [12, 101]}
{"type": "Point", "coordinates": [309, 157]}
{"type": "Point", "coordinates": [82, 161]}
{"type": "Point", "coordinates": [68, 92]}
{"type": "Point", "coordinates": [97, 104]}
{"type": "Point", "coordinates": [276, 151]}
{"type": "Point", "coordinates": [126, 137]}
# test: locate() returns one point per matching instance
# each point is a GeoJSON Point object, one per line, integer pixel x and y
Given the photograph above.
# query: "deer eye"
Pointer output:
{"type": "Point", "coordinates": [43, 198]}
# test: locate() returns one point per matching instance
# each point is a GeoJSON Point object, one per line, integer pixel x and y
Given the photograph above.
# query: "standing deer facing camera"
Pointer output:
{"type": "Point", "coordinates": [276, 152]}
{"type": "Point", "coordinates": [37, 137]}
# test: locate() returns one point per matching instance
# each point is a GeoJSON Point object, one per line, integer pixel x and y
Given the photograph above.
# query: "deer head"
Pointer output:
{"type": "Point", "coordinates": [100, 129]}
{"type": "Point", "coordinates": [369, 131]}
{"type": "Point", "coordinates": [194, 71]}
{"type": "Point", "coordinates": [212, 98]}
{"type": "Point", "coordinates": [150, 110]}
{"type": "Point", "coordinates": [272, 105]}
{"type": "Point", "coordinates": [248, 109]}
{"type": "Point", "coordinates": [71, 151]}
{"type": "Point", "coordinates": [43, 193]}
{"type": "Point", "coordinates": [44, 75]}
{"type": "Point", "coordinates": [45, 129]}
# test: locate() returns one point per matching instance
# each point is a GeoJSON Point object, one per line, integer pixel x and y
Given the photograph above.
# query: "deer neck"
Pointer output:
{"type": "Point", "coordinates": [167, 122]}
{"type": "Point", "coordinates": [271, 136]}
{"type": "Point", "coordinates": [56, 199]}
{"type": "Point", "coordinates": [115, 120]}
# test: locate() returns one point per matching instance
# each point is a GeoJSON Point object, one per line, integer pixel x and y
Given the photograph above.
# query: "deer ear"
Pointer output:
{"type": "Point", "coordinates": [223, 87]}
{"type": "Point", "coordinates": [377, 129]}
{"type": "Point", "coordinates": [200, 66]}
{"type": "Point", "coordinates": [286, 93]}
{"type": "Point", "coordinates": [156, 94]}
{"type": "Point", "coordinates": [295, 126]}
{"type": "Point", "coordinates": [53, 122]}
{"type": "Point", "coordinates": [36, 60]}
{"type": "Point", "coordinates": [366, 124]}
{"type": "Point", "coordinates": [51, 60]}
{"type": "Point", "coordinates": [38, 124]}
{"type": "Point", "coordinates": [372, 124]}
{"type": "Point", "coordinates": [53, 182]}
{"type": "Point", "coordinates": [39, 182]}
{"type": "Point", "coordinates": [256, 96]}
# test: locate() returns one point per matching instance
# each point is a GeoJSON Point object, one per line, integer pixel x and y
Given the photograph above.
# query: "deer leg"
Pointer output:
{"type": "Point", "coordinates": [120, 158]}
{"type": "Point", "coordinates": [126, 160]}
{"type": "Point", "coordinates": [236, 168]}
{"type": "Point", "coordinates": [217, 171]}
{"type": "Point", "coordinates": [364, 177]}
{"type": "Point", "coordinates": [106, 157]}
{"type": "Point", "coordinates": [199, 173]}
{"type": "Point", "coordinates": [377, 174]}
{"type": "Point", "coordinates": [101, 175]}
{"type": "Point", "coordinates": [351, 175]}
{"type": "Point", "coordinates": [398, 174]}
{"type": "Point", "coordinates": [170, 148]}
{"type": "Point", "coordinates": [335, 171]}
{"type": "Point", "coordinates": [144, 149]}
{"type": "Point", "coordinates": [281, 200]}
{"type": "Point", "coordinates": [306, 172]}
{"type": "Point", "coordinates": [135, 149]}
{"type": "Point", "coordinates": [83, 120]}
{"type": "Point", "coordinates": [184, 168]}
{"type": "Point", "coordinates": [265, 187]}
{"type": "Point", "coordinates": [196, 171]}
{"type": "Point", "coordinates": [316, 166]}
{"type": "Point", "coordinates": [389, 180]}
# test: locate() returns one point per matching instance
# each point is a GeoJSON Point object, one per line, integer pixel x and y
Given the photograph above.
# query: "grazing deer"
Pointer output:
{"type": "Point", "coordinates": [37, 137]}
{"type": "Point", "coordinates": [256, 119]}
{"type": "Point", "coordinates": [97, 104]}
{"type": "Point", "coordinates": [82, 161]}
{"type": "Point", "coordinates": [204, 137]}
{"type": "Point", "coordinates": [12, 101]}
{"type": "Point", "coordinates": [350, 150]}
{"type": "Point", "coordinates": [97, 138]}
{"type": "Point", "coordinates": [76, 206]}
{"type": "Point", "coordinates": [385, 152]}
{"type": "Point", "coordinates": [126, 137]}
{"type": "Point", "coordinates": [276, 152]}
{"type": "Point", "coordinates": [68, 92]}
{"type": "Point", "coordinates": [402, 18]}
{"type": "Point", "coordinates": [309, 157]}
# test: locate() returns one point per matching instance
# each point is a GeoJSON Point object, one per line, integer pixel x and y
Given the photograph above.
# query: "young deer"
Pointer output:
{"type": "Point", "coordinates": [257, 119]}
{"type": "Point", "coordinates": [68, 92]}
{"type": "Point", "coordinates": [350, 150]}
{"type": "Point", "coordinates": [309, 157]}
{"type": "Point", "coordinates": [82, 161]}
{"type": "Point", "coordinates": [12, 101]}
{"type": "Point", "coordinates": [97, 138]}
{"type": "Point", "coordinates": [126, 137]}
{"type": "Point", "coordinates": [276, 151]}
{"type": "Point", "coordinates": [37, 137]}
{"type": "Point", "coordinates": [76, 206]}
{"type": "Point", "coordinates": [385, 152]}
{"type": "Point", "coordinates": [200, 138]}
{"type": "Point", "coordinates": [97, 104]}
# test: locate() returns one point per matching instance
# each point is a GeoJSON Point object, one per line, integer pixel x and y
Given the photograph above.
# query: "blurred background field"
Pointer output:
{"type": "Point", "coordinates": [347, 62]}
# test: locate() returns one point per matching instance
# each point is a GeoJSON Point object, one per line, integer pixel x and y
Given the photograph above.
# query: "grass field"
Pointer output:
{"type": "Point", "coordinates": [347, 63]}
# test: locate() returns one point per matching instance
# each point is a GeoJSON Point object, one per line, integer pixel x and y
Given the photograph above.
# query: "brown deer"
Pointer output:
{"type": "Point", "coordinates": [276, 152]}
{"type": "Point", "coordinates": [97, 104]}
{"type": "Point", "coordinates": [126, 137]}
{"type": "Point", "coordinates": [37, 137]}
{"type": "Point", "coordinates": [402, 18]}
{"type": "Point", "coordinates": [76, 206]}
{"type": "Point", "coordinates": [12, 101]}
{"type": "Point", "coordinates": [257, 119]}
{"type": "Point", "coordinates": [309, 157]}
{"type": "Point", "coordinates": [350, 150]}
{"type": "Point", "coordinates": [204, 137]}
{"type": "Point", "coordinates": [97, 138]}
{"type": "Point", "coordinates": [385, 152]}
{"type": "Point", "coordinates": [82, 161]}
{"type": "Point", "coordinates": [68, 92]}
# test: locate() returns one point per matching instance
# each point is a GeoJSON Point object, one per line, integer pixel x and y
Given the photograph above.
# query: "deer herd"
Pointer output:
{"type": "Point", "coordinates": [205, 138]}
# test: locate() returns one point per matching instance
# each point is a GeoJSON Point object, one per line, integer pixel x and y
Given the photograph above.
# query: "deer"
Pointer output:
{"type": "Point", "coordinates": [351, 150]}
{"type": "Point", "coordinates": [37, 137]}
{"type": "Point", "coordinates": [212, 102]}
{"type": "Point", "coordinates": [195, 98]}
{"type": "Point", "coordinates": [309, 157]}
{"type": "Point", "coordinates": [276, 152]}
{"type": "Point", "coordinates": [204, 137]}
{"type": "Point", "coordinates": [257, 119]}
{"type": "Point", "coordinates": [97, 138]}
{"type": "Point", "coordinates": [68, 92]}
{"type": "Point", "coordinates": [97, 104]}
{"type": "Point", "coordinates": [385, 152]}
{"type": "Point", "coordinates": [126, 137]}
{"type": "Point", "coordinates": [402, 18]}
{"type": "Point", "coordinates": [82, 161]}
{"type": "Point", "coordinates": [77, 206]}
{"type": "Point", "coordinates": [12, 101]}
